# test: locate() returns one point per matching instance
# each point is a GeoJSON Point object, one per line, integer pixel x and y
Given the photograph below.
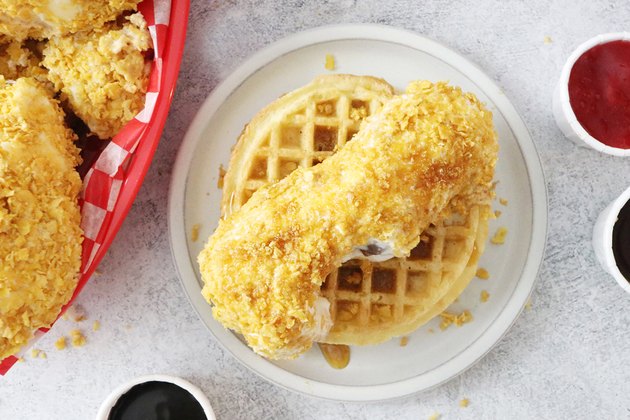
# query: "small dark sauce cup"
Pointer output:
{"type": "Point", "coordinates": [611, 239]}
{"type": "Point", "coordinates": [156, 397]}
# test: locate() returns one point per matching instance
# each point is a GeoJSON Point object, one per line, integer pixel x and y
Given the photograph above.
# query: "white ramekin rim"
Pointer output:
{"type": "Point", "coordinates": [563, 92]}
{"type": "Point", "coordinates": [112, 398]}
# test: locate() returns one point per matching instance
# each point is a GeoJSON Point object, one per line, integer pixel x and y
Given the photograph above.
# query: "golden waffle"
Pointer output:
{"type": "Point", "coordinates": [370, 302]}
{"type": "Point", "coordinates": [302, 128]}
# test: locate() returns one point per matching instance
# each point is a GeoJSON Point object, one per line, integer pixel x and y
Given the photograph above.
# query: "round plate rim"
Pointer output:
{"type": "Point", "coordinates": [488, 339]}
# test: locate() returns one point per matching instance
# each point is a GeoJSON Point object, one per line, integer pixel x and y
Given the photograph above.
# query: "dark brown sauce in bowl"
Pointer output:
{"type": "Point", "coordinates": [157, 400]}
{"type": "Point", "coordinates": [621, 241]}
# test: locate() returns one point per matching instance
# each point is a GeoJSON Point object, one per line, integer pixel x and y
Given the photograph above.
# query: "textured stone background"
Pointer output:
{"type": "Point", "coordinates": [568, 357]}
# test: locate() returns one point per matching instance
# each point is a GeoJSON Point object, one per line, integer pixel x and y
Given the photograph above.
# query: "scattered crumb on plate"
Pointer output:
{"type": "Point", "coordinates": [449, 318]}
{"type": "Point", "coordinates": [499, 236]}
{"type": "Point", "coordinates": [482, 273]}
{"type": "Point", "coordinates": [435, 416]}
{"type": "Point", "coordinates": [528, 305]}
{"type": "Point", "coordinates": [96, 325]}
{"type": "Point", "coordinates": [464, 402]}
{"type": "Point", "coordinates": [194, 234]}
{"type": "Point", "coordinates": [403, 341]}
{"type": "Point", "coordinates": [503, 201]}
{"type": "Point", "coordinates": [222, 173]}
{"type": "Point", "coordinates": [484, 296]}
{"type": "Point", "coordinates": [547, 40]}
{"type": "Point", "coordinates": [497, 213]}
{"type": "Point", "coordinates": [330, 62]}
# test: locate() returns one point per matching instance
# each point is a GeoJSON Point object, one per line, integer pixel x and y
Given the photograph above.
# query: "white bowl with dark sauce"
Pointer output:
{"type": "Point", "coordinates": [611, 239]}
{"type": "Point", "coordinates": [156, 397]}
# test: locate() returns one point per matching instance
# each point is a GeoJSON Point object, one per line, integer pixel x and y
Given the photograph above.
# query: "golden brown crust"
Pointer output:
{"type": "Point", "coordinates": [40, 237]}
{"type": "Point", "coordinates": [103, 75]}
{"type": "Point", "coordinates": [18, 60]}
{"type": "Point", "coordinates": [39, 19]}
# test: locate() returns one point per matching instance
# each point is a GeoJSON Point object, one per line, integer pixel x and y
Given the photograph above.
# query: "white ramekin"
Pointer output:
{"type": "Point", "coordinates": [603, 237]}
{"type": "Point", "coordinates": [562, 111]}
{"type": "Point", "coordinates": [110, 401]}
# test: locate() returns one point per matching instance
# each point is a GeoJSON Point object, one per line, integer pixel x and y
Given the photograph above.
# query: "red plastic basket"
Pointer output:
{"type": "Point", "coordinates": [115, 173]}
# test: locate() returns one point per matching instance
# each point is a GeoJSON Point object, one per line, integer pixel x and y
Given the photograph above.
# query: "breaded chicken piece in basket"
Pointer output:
{"type": "Point", "coordinates": [103, 75]}
{"type": "Point", "coordinates": [265, 263]}
{"type": "Point", "coordinates": [40, 234]}
{"type": "Point", "coordinates": [39, 19]}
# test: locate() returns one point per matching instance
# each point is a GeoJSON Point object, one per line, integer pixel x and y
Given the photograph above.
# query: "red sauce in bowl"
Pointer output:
{"type": "Point", "coordinates": [599, 93]}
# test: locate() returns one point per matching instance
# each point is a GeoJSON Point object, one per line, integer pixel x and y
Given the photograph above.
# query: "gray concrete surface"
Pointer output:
{"type": "Point", "coordinates": [568, 357]}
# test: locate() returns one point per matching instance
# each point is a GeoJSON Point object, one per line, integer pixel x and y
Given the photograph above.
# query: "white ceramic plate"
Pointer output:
{"type": "Point", "coordinates": [388, 370]}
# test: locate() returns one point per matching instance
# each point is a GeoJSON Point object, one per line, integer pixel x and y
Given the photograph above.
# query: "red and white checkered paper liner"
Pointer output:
{"type": "Point", "coordinates": [104, 181]}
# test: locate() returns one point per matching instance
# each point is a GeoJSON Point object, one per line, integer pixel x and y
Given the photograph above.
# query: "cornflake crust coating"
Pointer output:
{"type": "Point", "coordinates": [39, 19]}
{"type": "Point", "coordinates": [40, 234]}
{"type": "Point", "coordinates": [103, 75]}
{"type": "Point", "coordinates": [18, 60]}
{"type": "Point", "coordinates": [265, 263]}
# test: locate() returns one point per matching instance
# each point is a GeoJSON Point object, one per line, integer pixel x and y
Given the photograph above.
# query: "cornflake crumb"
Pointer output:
{"type": "Point", "coordinates": [459, 320]}
{"type": "Point", "coordinates": [358, 114]}
{"type": "Point", "coordinates": [97, 272]}
{"type": "Point", "coordinates": [403, 341]}
{"type": "Point", "coordinates": [547, 40]}
{"type": "Point", "coordinates": [435, 416]}
{"type": "Point", "coordinates": [430, 330]}
{"type": "Point", "coordinates": [65, 316]}
{"type": "Point", "coordinates": [503, 201]}
{"type": "Point", "coordinates": [497, 213]}
{"type": "Point", "coordinates": [78, 339]}
{"type": "Point", "coordinates": [499, 236]}
{"type": "Point", "coordinates": [20, 359]}
{"type": "Point", "coordinates": [222, 173]}
{"type": "Point", "coordinates": [43, 355]}
{"type": "Point", "coordinates": [483, 274]}
{"type": "Point", "coordinates": [528, 305]}
{"type": "Point", "coordinates": [484, 296]}
{"type": "Point", "coordinates": [330, 62]}
{"type": "Point", "coordinates": [61, 343]}
{"type": "Point", "coordinates": [35, 353]}
{"type": "Point", "coordinates": [96, 325]}
{"type": "Point", "coordinates": [76, 313]}
{"type": "Point", "coordinates": [194, 235]}
{"type": "Point", "coordinates": [464, 402]}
